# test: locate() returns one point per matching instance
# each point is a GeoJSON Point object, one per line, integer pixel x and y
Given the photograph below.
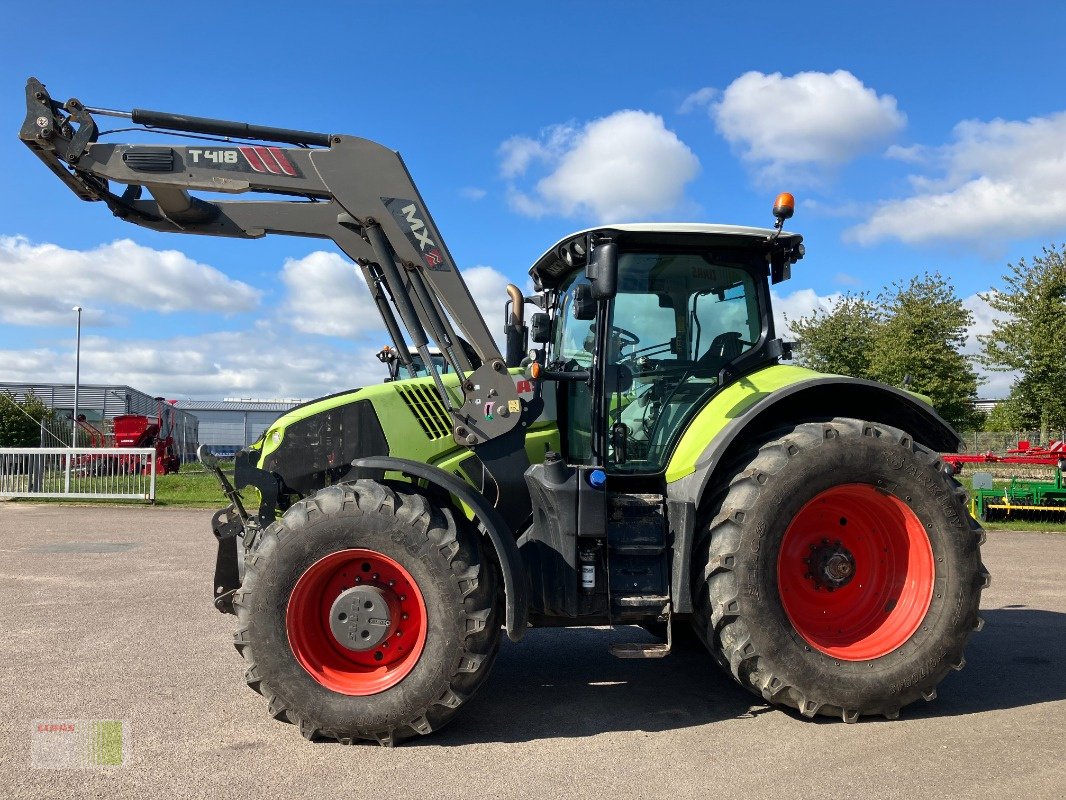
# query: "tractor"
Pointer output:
{"type": "Point", "coordinates": [641, 454]}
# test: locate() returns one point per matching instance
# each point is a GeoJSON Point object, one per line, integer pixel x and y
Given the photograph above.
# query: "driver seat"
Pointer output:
{"type": "Point", "coordinates": [725, 347]}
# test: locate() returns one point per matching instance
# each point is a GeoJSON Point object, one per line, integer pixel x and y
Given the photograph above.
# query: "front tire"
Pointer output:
{"type": "Point", "coordinates": [405, 666]}
{"type": "Point", "coordinates": [839, 572]}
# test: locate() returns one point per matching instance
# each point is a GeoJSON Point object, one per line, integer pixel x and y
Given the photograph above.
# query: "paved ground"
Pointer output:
{"type": "Point", "coordinates": [105, 615]}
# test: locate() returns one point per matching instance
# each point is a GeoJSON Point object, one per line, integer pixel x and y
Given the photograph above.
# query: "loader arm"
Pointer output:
{"type": "Point", "coordinates": [352, 191]}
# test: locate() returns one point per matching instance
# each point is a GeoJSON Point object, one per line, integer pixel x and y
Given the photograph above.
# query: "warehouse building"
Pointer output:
{"type": "Point", "coordinates": [228, 425]}
{"type": "Point", "coordinates": [99, 404]}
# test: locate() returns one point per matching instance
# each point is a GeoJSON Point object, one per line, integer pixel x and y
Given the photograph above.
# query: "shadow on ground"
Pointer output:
{"type": "Point", "coordinates": [1019, 659]}
{"type": "Point", "coordinates": [564, 683]}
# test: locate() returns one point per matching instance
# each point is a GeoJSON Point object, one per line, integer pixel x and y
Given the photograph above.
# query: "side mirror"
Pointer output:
{"type": "Point", "coordinates": [540, 328]}
{"type": "Point", "coordinates": [584, 302]}
{"type": "Point", "coordinates": [602, 271]}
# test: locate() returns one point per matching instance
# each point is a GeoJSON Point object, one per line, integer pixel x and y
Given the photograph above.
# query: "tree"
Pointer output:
{"type": "Point", "coordinates": [838, 340]}
{"type": "Point", "coordinates": [20, 421]}
{"type": "Point", "coordinates": [1004, 418]}
{"type": "Point", "coordinates": [921, 340]}
{"type": "Point", "coordinates": [1030, 337]}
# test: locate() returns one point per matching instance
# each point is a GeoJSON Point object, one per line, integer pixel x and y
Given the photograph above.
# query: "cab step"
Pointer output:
{"type": "Point", "coordinates": [645, 649]}
{"type": "Point", "coordinates": [640, 649]}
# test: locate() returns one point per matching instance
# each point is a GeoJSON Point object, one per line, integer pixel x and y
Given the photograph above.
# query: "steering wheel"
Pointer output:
{"type": "Point", "coordinates": [627, 337]}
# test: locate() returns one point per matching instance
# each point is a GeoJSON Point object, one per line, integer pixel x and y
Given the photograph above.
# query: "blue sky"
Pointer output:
{"type": "Point", "coordinates": [915, 137]}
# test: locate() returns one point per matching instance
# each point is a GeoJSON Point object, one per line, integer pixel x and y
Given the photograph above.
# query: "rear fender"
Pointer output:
{"type": "Point", "coordinates": [759, 413]}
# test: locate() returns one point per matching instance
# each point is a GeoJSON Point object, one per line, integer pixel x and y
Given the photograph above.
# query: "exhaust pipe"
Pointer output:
{"type": "Point", "coordinates": [514, 326]}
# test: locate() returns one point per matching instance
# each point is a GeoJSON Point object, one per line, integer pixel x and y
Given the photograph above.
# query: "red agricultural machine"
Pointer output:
{"type": "Point", "coordinates": [1027, 454]}
{"type": "Point", "coordinates": [134, 431]}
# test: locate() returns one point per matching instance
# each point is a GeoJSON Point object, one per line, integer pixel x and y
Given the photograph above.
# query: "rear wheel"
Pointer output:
{"type": "Point", "coordinates": [367, 613]}
{"type": "Point", "coordinates": [840, 571]}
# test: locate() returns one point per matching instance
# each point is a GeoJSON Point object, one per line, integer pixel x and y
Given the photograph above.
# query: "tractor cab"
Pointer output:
{"type": "Point", "coordinates": [642, 331]}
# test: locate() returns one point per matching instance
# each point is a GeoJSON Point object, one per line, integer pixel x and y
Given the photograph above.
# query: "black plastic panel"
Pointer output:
{"type": "Point", "coordinates": [319, 449]}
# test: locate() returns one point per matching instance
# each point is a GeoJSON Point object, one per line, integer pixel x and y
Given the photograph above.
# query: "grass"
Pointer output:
{"type": "Point", "coordinates": [192, 487]}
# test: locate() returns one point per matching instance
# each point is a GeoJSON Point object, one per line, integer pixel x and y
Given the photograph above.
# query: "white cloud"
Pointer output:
{"type": "Point", "coordinates": [39, 283]}
{"type": "Point", "coordinates": [623, 166]}
{"type": "Point", "coordinates": [325, 294]}
{"type": "Point", "coordinates": [810, 120]}
{"type": "Point", "coordinates": [472, 193]}
{"type": "Point", "coordinates": [996, 385]}
{"type": "Point", "coordinates": [800, 303]}
{"type": "Point", "coordinates": [999, 180]}
{"type": "Point", "coordinates": [488, 288]}
{"type": "Point", "coordinates": [701, 98]}
{"type": "Point", "coordinates": [260, 362]}
{"type": "Point", "coordinates": [328, 296]}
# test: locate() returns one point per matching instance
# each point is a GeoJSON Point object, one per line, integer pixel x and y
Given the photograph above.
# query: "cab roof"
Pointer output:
{"type": "Point", "coordinates": [551, 267]}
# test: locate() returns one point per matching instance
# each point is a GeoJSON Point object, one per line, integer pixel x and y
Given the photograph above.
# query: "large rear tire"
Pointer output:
{"type": "Point", "coordinates": [403, 667]}
{"type": "Point", "coordinates": [839, 571]}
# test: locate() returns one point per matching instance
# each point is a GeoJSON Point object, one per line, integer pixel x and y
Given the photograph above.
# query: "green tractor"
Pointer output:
{"type": "Point", "coordinates": [639, 455]}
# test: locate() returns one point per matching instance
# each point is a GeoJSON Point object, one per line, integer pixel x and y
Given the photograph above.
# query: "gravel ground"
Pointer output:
{"type": "Point", "coordinates": [106, 614]}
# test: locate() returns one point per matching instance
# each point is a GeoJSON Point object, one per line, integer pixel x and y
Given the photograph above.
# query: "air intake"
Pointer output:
{"type": "Point", "coordinates": [145, 160]}
{"type": "Point", "coordinates": [428, 409]}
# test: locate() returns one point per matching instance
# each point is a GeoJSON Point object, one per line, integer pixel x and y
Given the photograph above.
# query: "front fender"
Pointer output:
{"type": "Point", "coordinates": [516, 589]}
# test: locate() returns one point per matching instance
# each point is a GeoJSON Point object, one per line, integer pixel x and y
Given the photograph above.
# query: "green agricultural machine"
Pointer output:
{"type": "Point", "coordinates": [1021, 499]}
{"type": "Point", "coordinates": [641, 454]}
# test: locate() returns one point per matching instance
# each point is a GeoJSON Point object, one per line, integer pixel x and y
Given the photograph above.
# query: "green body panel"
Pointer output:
{"type": "Point", "coordinates": [723, 408]}
{"type": "Point", "coordinates": [729, 404]}
{"type": "Point", "coordinates": [403, 432]}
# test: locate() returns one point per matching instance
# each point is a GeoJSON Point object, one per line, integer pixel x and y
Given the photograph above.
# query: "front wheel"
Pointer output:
{"type": "Point", "coordinates": [840, 572]}
{"type": "Point", "coordinates": [367, 613]}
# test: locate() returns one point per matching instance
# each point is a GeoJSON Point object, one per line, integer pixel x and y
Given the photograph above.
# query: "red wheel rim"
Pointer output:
{"type": "Point", "coordinates": [330, 663]}
{"type": "Point", "coordinates": [855, 572]}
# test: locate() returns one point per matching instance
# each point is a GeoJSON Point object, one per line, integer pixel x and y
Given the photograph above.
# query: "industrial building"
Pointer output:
{"type": "Point", "coordinates": [228, 425]}
{"type": "Point", "coordinates": [99, 404]}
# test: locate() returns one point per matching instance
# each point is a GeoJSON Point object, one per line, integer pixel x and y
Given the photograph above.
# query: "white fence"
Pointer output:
{"type": "Point", "coordinates": [110, 473]}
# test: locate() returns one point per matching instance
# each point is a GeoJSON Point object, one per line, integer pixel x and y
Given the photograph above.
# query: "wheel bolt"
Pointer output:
{"type": "Point", "coordinates": [403, 616]}
{"type": "Point", "coordinates": [392, 583]}
{"type": "Point", "coordinates": [403, 598]}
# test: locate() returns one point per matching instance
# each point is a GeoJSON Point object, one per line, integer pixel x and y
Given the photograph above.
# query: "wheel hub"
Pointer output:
{"type": "Point", "coordinates": [361, 618]}
{"type": "Point", "coordinates": [830, 565]}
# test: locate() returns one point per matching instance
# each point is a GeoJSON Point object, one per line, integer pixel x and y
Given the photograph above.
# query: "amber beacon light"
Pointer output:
{"type": "Point", "coordinates": [784, 206]}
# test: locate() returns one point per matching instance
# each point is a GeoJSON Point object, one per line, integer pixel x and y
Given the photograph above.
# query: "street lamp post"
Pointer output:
{"type": "Point", "coordinates": [77, 381]}
{"type": "Point", "coordinates": [77, 378]}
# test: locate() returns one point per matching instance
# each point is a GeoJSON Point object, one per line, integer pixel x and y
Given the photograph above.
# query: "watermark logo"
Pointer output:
{"type": "Point", "coordinates": [78, 743]}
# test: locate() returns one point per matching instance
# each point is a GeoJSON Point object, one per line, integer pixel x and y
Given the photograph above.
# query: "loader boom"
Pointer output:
{"type": "Point", "coordinates": [352, 191]}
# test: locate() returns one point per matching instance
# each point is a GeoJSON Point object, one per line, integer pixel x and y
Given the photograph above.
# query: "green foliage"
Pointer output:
{"type": "Point", "coordinates": [922, 338]}
{"type": "Point", "coordinates": [1003, 418]}
{"type": "Point", "coordinates": [839, 340]}
{"type": "Point", "coordinates": [913, 331]}
{"type": "Point", "coordinates": [1030, 338]}
{"type": "Point", "coordinates": [20, 421]}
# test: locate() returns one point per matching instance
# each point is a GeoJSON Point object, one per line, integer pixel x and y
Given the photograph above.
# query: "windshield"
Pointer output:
{"type": "Point", "coordinates": [677, 320]}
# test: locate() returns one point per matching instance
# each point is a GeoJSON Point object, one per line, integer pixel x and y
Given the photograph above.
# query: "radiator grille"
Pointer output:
{"type": "Point", "coordinates": [428, 409]}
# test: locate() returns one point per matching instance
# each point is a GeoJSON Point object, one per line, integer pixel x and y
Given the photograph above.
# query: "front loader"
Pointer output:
{"type": "Point", "coordinates": [651, 460]}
